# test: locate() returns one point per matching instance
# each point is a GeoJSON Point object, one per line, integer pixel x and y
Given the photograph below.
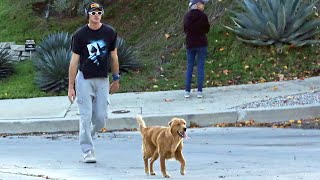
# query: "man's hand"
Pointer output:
{"type": "Point", "coordinates": [114, 87]}
{"type": "Point", "coordinates": [71, 94]}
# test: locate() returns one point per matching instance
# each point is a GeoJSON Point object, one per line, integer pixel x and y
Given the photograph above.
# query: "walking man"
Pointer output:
{"type": "Point", "coordinates": [92, 45]}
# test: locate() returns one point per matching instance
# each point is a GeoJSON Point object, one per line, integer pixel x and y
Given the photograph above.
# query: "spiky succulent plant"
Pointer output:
{"type": "Point", "coordinates": [52, 62]}
{"type": "Point", "coordinates": [6, 66]}
{"type": "Point", "coordinates": [278, 22]}
{"type": "Point", "coordinates": [126, 56]}
{"type": "Point", "coordinates": [54, 41]}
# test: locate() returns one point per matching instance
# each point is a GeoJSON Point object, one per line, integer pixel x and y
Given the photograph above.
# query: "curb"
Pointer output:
{"type": "Point", "coordinates": [261, 115]}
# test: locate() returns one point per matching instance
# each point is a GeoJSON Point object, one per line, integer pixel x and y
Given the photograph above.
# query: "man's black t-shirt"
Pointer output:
{"type": "Point", "coordinates": [94, 47]}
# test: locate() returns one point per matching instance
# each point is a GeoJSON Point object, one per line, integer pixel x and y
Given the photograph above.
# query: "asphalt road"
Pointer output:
{"type": "Point", "coordinates": [211, 153]}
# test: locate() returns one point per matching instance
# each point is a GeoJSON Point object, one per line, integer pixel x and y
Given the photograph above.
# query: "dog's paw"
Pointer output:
{"type": "Point", "coordinates": [182, 172]}
{"type": "Point", "coordinates": [166, 176]}
{"type": "Point", "coordinates": [153, 173]}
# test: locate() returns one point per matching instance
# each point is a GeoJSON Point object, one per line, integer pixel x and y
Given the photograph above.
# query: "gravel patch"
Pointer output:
{"type": "Point", "coordinates": [309, 98]}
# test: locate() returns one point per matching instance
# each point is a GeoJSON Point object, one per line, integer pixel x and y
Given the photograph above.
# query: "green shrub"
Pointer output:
{"type": "Point", "coordinates": [277, 22]}
{"type": "Point", "coordinates": [127, 58]}
{"type": "Point", "coordinates": [52, 62]}
{"type": "Point", "coordinates": [6, 66]}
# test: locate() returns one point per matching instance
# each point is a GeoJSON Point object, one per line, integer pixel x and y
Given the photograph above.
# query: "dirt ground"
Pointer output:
{"type": "Point", "coordinates": [301, 124]}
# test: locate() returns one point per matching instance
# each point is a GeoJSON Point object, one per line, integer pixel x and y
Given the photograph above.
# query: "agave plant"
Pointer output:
{"type": "Point", "coordinates": [278, 22]}
{"type": "Point", "coordinates": [126, 56]}
{"type": "Point", "coordinates": [52, 62]}
{"type": "Point", "coordinates": [54, 41]}
{"type": "Point", "coordinates": [6, 66]}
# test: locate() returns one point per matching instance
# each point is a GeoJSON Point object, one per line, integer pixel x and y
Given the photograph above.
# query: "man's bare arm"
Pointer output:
{"type": "Point", "coordinates": [115, 62]}
{"type": "Point", "coordinates": [73, 68]}
{"type": "Point", "coordinates": [114, 87]}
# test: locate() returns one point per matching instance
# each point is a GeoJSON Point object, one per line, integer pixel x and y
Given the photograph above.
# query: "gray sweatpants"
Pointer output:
{"type": "Point", "coordinates": [93, 99]}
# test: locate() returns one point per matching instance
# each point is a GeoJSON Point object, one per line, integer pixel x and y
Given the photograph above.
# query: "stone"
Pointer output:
{"type": "Point", "coordinates": [6, 45]}
{"type": "Point", "coordinates": [15, 53]}
{"type": "Point", "coordinates": [17, 47]}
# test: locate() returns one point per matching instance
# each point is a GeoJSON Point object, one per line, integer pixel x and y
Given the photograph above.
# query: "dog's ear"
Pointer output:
{"type": "Point", "coordinates": [170, 123]}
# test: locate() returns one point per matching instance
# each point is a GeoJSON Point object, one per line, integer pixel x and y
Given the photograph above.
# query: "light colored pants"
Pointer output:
{"type": "Point", "coordinates": [93, 99]}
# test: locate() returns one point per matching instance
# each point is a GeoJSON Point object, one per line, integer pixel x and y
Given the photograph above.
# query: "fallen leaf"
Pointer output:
{"type": "Point", "coordinates": [168, 100]}
{"type": "Point", "coordinates": [262, 80]}
{"type": "Point", "coordinates": [194, 125]}
{"type": "Point", "coordinates": [103, 130]}
{"type": "Point", "coordinates": [167, 36]}
{"type": "Point", "coordinates": [281, 77]}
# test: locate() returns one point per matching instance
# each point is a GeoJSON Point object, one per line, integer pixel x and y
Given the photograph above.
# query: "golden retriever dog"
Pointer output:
{"type": "Point", "coordinates": [163, 142]}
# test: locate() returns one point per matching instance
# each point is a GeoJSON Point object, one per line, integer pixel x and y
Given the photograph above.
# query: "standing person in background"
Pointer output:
{"type": "Point", "coordinates": [92, 45]}
{"type": "Point", "coordinates": [196, 26]}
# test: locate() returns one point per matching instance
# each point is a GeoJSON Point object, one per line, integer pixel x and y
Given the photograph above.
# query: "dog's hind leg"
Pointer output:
{"type": "Point", "coordinates": [153, 158]}
{"type": "Point", "coordinates": [146, 168]}
{"type": "Point", "coordinates": [179, 157]}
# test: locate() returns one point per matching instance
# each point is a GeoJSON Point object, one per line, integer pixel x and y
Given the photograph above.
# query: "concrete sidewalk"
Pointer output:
{"type": "Point", "coordinates": [56, 114]}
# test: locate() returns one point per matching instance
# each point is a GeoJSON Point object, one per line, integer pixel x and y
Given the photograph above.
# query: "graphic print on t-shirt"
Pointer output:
{"type": "Point", "coordinates": [97, 51]}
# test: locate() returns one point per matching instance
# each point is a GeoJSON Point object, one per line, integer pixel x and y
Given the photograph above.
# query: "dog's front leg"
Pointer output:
{"type": "Point", "coordinates": [180, 158]}
{"type": "Point", "coordinates": [163, 166]}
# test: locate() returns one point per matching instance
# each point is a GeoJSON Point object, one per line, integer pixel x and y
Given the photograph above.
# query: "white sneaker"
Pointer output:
{"type": "Point", "coordinates": [186, 94]}
{"type": "Point", "coordinates": [200, 94]}
{"type": "Point", "coordinates": [89, 157]}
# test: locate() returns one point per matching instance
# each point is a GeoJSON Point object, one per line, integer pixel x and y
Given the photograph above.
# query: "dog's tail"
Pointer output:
{"type": "Point", "coordinates": [141, 122]}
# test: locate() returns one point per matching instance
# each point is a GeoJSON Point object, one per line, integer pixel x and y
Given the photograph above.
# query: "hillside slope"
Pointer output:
{"type": "Point", "coordinates": [154, 29]}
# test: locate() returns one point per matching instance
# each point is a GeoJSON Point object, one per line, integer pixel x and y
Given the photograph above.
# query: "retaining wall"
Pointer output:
{"type": "Point", "coordinates": [17, 52]}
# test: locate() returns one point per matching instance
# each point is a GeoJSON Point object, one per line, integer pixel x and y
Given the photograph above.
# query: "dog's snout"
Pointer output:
{"type": "Point", "coordinates": [185, 129]}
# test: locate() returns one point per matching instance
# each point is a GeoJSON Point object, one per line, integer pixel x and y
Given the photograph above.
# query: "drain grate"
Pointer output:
{"type": "Point", "coordinates": [120, 111]}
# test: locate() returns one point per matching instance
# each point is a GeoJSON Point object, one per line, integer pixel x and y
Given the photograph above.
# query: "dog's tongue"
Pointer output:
{"type": "Point", "coordinates": [185, 135]}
